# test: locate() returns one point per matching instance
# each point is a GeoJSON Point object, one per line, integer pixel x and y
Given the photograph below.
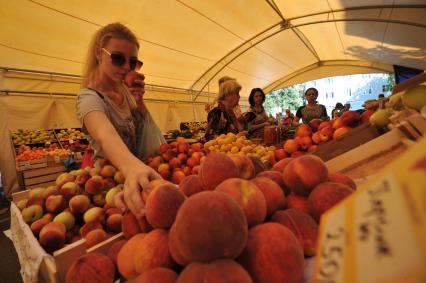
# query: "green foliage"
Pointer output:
{"type": "Point", "coordinates": [281, 99]}
{"type": "Point", "coordinates": [391, 81]}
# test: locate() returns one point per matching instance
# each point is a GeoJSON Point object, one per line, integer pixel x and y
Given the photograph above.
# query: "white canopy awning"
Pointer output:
{"type": "Point", "coordinates": [189, 44]}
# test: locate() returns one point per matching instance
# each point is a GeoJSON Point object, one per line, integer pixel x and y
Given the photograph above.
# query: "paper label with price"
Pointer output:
{"type": "Point", "coordinates": [378, 235]}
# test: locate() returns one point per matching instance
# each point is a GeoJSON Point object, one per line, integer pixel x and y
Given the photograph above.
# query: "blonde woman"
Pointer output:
{"type": "Point", "coordinates": [222, 118]}
{"type": "Point", "coordinates": [109, 112]}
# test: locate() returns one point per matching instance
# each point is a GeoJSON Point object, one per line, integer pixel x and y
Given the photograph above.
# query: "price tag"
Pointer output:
{"type": "Point", "coordinates": [57, 159]}
{"type": "Point", "coordinates": [71, 141]}
{"type": "Point", "coordinates": [378, 234]}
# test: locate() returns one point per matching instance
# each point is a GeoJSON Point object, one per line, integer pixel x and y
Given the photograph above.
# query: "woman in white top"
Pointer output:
{"type": "Point", "coordinates": [110, 112]}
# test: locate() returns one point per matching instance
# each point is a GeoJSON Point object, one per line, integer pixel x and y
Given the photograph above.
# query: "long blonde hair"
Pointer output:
{"type": "Point", "coordinates": [99, 40]}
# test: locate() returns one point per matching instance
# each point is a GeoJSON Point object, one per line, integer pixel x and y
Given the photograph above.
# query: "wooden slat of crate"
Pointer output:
{"type": "Point", "coordinates": [41, 179]}
{"type": "Point", "coordinates": [43, 185]}
{"type": "Point", "coordinates": [43, 171]}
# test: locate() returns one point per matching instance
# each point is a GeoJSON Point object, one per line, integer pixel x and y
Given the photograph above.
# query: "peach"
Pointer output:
{"type": "Point", "coordinates": [336, 123]}
{"type": "Point", "coordinates": [55, 203]}
{"type": "Point", "coordinates": [152, 251]}
{"type": "Point", "coordinates": [325, 124]}
{"type": "Point", "coordinates": [258, 165]}
{"type": "Point", "coordinates": [158, 275]}
{"type": "Point", "coordinates": [277, 177]}
{"type": "Point", "coordinates": [312, 148]}
{"type": "Point", "coordinates": [110, 196]}
{"type": "Point", "coordinates": [37, 225]}
{"type": "Point", "coordinates": [164, 147]}
{"type": "Point", "coordinates": [94, 185]}
{"type": "Point", "coordinates": [82, 178]}
{"type": "Point", "coordinates": [64, 178]}
{"type": "Point", "coordinates": [305, 142]}
{"type": "Point", "coordinates": [280, 154]}
{"type": "Point", "coordinates": [326, 134]}
{"type": "Point", "coordinates": [174, 163]}
{"type": "Point", "coordinates": [196, 169]}
{"type": "Point", "coordinates": [67, 218]}
{"type": "Point", "coordinates": [69, 189]}
{"type": "Point", "coordinates": [79, 204]}
{"type": "Point", "coordinates": [119, 177]}
{"type": "Point", "coordinates": [87, 227]}
{"type": "Point", "coordinates": [216, 168]}
{"type": "Point", "coordinates": [248, 196]}
{"type": "Point", "coordinates": [327, 195]}
{"type": "Point", "coordinates": [187, 170]}
{"type": "Point", "coordinates": [52, 236]}
{"type": "Point", "coordinates": [198, 155]}
{"type": "Point", "coordinates": [114, 249]}
{"type": "Point", "coordinates": [165, 174]}
{"type": "Point", "coordinates": [365, 116]}
{"type": "Point", "coordinates": [273, 254]}
{"type": "Point", "coordinates": [210, 225]}
{"type": "Point", "coordinates": [190, 185]}
{"type": "Point", "coordinates": [154, 184]}
{"type": "Point", "coordinates": [125, 257]}
{"type": "Point", "coordinates": [183, 147]}
{"type": "Point", "coordinates": [314, 124]}
{"type": "Point", "coordinates": [296, 154]}
{"type": "Point", "coordinates": [162, 205]}
{"type": "Point", "coordinates": [341, 131]}
{"type": "Point", "coordinates": [304, 173]}
{"type": "Point", "coordinates": [303, 130]}
{"type": "Point", "coordinates": [108, 183]}
{"type": "Point", "coordinates": [274, 195]}
{"type": "Point", "coordinates": [245, 166]}
{"type": "Point", "coordinates": [298, 202]}
{"type": "Point", "coordinates": [94, 214]}
{"type": "Point", "coordinates": [222, 270]}
{"type": "Point", "coordinates": [341, 178]}
{"type": "Point", "coordinates": [94, 237]}
{"type": "Point", "coordinates": [174, 248]}
{"type": "Point", "coordinates": [49, 216]}
{"type": "Point", "coordinates": [32, 213]}
{"type": "Point", "coordinates": [350, 119]}
{"type": "Point", "coordinates": [192, 162]}
{"type": "Point", "coordinates": [93, 267]}
{"type": "Point", "coordinates": [177, 176]}
{"type": "Point", "coordinates": [113, 223]}
{"type": "Point", "coordinates": [108, 171]}
{"type": "Point", "coordinates": [99, 199]}
{"type": "Point", "coordinates": [291, 146]}
{"type": "Point", "coordinates": [280, 165]}
{"type": "Point", "coordinates": [51, 190]}
{"type": "Point", "coordinates": [316, 138]}
{"type": "Point", "coordinates": [302, 225]}
{"type": "Point", "coordinates": [130, 225]}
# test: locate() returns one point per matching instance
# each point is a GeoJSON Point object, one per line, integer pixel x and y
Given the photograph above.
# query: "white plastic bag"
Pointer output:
{"type": "Point", "coordinates": [149, 137]}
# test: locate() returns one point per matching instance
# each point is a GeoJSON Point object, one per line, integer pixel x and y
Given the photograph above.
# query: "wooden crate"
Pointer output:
{"type": "Point", "coordinates": [354, 138]}
{"type": "Point", "coordinates": [54, 272]}
{"type": "Point", "coordinates": [40, 177]}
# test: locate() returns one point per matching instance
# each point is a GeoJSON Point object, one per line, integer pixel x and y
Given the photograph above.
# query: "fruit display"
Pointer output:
{"type": "Point", "coordinates": [23, 136]}
{"type": "Point", "coordinates": [236, 144]}
{"type": "Point", "coordinates": [309, 137]}
{"type": "Point", "coordinates": [69, 134]}
{"type": "Point", "coordinates": [80, 205]}
{"type": "Point", "coordinates": [75, 145]}
{"type": "Point", "coordinates": [229, 222]}
{"type": "Point", "coordinates": [177, 159]}
{"type": "Point", "coordinates": [26, 153]}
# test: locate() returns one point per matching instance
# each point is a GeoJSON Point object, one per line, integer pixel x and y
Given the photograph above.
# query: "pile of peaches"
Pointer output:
{"type": "Point", "coordinates": [233, 221]}
{"type": "Point", "coordinates": [309, 136]}
{"type": "Point", "coordinates": [177, 159]}
{"type": "Point", "coordinates": [80, 205]}
{"type": "Point", "coordinates": [26, 153]}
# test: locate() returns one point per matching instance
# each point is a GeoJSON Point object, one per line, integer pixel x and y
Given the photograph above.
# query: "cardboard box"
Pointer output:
{"type": "Point", "coordinates": [354, 138]}
{"type": "Point", "coordinates": [378, 234]}
{"type": "Point", "coordinates": [36, 264]}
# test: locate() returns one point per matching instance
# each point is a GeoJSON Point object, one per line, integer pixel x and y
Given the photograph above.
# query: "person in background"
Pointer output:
{"type": "Point", "coordinates": [260, 119]}
{"type": "Point", "coordinates": [346, 107]}
{"type": "Point", "coordinates": [222, 118]}
{"type": "Point", "coordinates": [109, 111]}
{"type": "Point", "coordinates": [311, 110]}
{"type": "Point", "coordinates": [210, 106]}
{"type": "Point", "coordinates": [288, 119]}
{"type": "Point", "coordinates": [337, 111]}
{"type": "Point", "coordinates": [381, 101]}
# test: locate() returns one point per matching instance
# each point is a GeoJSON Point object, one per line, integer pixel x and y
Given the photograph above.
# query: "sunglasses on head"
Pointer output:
{"type": "Point", "coordinates": [119, 60]}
